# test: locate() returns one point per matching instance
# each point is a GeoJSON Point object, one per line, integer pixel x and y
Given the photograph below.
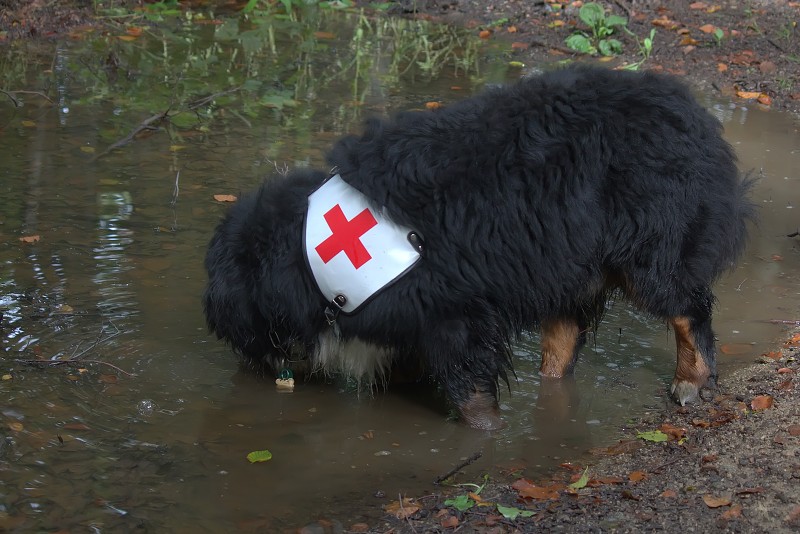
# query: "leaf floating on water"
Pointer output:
{"type": "Point", "coordinates": [30, 239]}
{"type": "Point", "coordinates": [88, 149]}
{"type": "Point", "coordinates": [516, 64]}
{"type": "Point", "coordinates": [433, 105]}
{"type": "Point", "coordinates": [28, 124]}
{"type": "Point", "coordinates": [7, 377]}
{"type": "Point", "coordinates": [109, 379]}
{"type": "Point", "coordinates": [259, 456]}
{"type": "Point", "coordinates": [15, 426]}
{"type": "Point", "coordinates": [225, 198]}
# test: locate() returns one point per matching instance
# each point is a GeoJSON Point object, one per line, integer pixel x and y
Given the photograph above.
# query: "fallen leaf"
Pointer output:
{"type": "Point", "coordinates": [708, 28]}
{"type": "Point", "coordinates": [433, 105]}
{"type": "Point", "coordinates": [109, 379]}
{"type": "Point", "coordinates": [767, 67]}
{"type": "Point", "coordinates": [688, 41]}
{"type": "Point", "coordinates": [713, 9]}
{"type": "Point", "coordinates": [7, 377]}
{"type": "Point", "coordinates": [134, 30]}
{"type": "Point", "coordinates": [653, 435]}
{"type": "Point", "coordinates": [664, 22]}
{"type": "Point", "coordinates": [637, 476]}
{"type": "Point", "coordinates": [668, 494]}
{"type": "Point", "coordinates": [127, 38]}
{"type": "Point", "coordinates": [765, 100]}
{"type": "Point", "coordinates": [750, 491]}
{"type": "Point", "coordinates": [698, 5]}
{"type": "Point", "coordinates": [225, 198]}
{"type": "Point", "coordinates": [581, 482]}
{"type": "Point", "coordinates": [15, 426]}
{"type": "Point", "coordinates": [735, 512]}
{"type": "Point", "coordinates": [30, 239]}
{"type": "Point", "coordinates": [722, 67]}
{"type": "Point", "coordinates": [794, 430]}
{"type": "Point", "coordinates": [762, 402]}
{"type": "Point", "coordinates": [673, 432]}
{"type": "Point", "coordinates": [450, 521]}
{"type": "Point", "coordinates": [708, 458]}
{"type": "Point", "coordinates": [516, 45]}
{"type": "Point", "coordinates": [748, 94]}
{"type": "Point", "coordinates": [402, 509]}
{"type": "Point", "coordinates": [527, 490]}
{"type": "Point", "coordinates": [700, 423]}
{"type": "Point", "coordinates": [511, 29]}
{"type": "Point", "coordinates": [484, 34]}
{"type": "Point", "coordinates": [785, 370]}
{"type": "Point", "coordinates": [715, 502]}
{"type": "Point", "coordinates": [774, 355]}
{"type": "Point", "coordinates": [324, 35]}
{"type": "Point", "coordinates": [475, 497]}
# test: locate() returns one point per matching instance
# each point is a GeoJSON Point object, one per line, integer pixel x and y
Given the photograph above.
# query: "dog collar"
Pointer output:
{"type": "Point", "coordinates": [351, 247]}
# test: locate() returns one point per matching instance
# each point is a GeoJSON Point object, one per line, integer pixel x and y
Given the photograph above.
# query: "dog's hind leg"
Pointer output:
{"type": "Point", "coordinates": [695, 372]}
{"type": "Point", "coordinates": [562, 339]}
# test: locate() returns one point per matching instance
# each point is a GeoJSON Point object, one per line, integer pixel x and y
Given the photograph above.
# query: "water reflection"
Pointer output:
{"type": "Point", "coordinates": [117, 276]}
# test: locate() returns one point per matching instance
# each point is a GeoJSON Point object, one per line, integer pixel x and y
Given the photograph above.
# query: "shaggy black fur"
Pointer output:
{"type": "Point", "coordinates": [534, 202]}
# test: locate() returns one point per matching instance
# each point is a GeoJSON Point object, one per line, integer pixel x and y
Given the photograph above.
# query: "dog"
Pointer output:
{"type": "Point", "coordinates": [525, 207]}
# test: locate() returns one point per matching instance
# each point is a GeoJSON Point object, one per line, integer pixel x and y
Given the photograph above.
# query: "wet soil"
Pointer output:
{"type": "Point", "coordinates": [732, 464]}
{"type": "Point", "coordinates": [756, 56]}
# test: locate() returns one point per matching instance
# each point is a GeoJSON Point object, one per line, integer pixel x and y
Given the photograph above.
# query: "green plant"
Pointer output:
{"type": "Point", "coordinates": [602, 27]}
{"type": "Point", "coordinates": [645, 48]}
{"type": "Point", "coordinates": [718, 35]}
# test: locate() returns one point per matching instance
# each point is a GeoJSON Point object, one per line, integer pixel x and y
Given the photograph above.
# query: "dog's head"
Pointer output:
{"type": "Point", "coordinates": [258, 283]}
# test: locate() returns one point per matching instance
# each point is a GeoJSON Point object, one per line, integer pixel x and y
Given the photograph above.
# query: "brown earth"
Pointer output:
{"type": "Point", "coordinates": [729, 465]}
{"type": "Point", "coordinates": [757, 56]}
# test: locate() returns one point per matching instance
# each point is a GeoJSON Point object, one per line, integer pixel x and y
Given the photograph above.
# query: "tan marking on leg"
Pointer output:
{"type": "Point", "coordinates": [559, 339]}
{"type": "Point", "coordinates": [691, 366]}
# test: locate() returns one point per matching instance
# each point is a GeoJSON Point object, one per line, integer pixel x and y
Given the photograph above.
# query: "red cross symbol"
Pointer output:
{"type": "Point", "coordinates": [346, 236]}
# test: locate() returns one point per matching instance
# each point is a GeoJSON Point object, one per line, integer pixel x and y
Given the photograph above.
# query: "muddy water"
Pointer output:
{"type": "Point", "coordinates": [152, 428]}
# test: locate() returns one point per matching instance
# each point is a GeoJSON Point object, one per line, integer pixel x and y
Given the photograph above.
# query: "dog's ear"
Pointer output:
{"type": "Point", "coordinates": [231, 310]}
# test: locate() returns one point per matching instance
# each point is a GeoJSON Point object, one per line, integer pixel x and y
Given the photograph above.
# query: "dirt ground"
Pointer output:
{"type": "Point", "coordinates": [729, 465]}
{"type": "Point", "coordinates": [756, 55]}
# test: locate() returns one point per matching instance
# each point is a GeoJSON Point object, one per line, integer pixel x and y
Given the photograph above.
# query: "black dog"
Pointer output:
{"type": "Point", "coordinates": [524, 207]}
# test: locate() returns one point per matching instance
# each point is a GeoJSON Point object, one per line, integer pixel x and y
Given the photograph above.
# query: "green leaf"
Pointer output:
{"type": "Point", "coordinates": [516, 64]}
{"type": "Point", "coordinates": [462, 503]}
{"type": "Point", "coordinates": [615, 20]}
{"type": "Point", "coordinates": [581, 482]}
{"type": "Point", "coordinates": [581, 43]}
{"type": "Point", "coordinates": [653, 435]}
{"type": "Point", "coordinates": [610, 47]}
{"type": "Point", "coordinates": [259, 456]}
{"type": "Point", "coordinates": [591, 14]}
{"type": "Point", "coordinates": [509, 512]}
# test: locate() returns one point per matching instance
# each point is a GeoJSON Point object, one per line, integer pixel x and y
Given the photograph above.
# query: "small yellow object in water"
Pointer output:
{"type": "Point", "coordinates": [285, 384]}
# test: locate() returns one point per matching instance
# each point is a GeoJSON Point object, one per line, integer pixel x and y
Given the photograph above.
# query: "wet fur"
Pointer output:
{"type": "Point", "coordinates": [534, 201]}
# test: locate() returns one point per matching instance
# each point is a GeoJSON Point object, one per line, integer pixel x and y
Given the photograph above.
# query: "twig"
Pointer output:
{"type": "Point", "coordinates": [458, 468]}
{"type": "Point", "coordinates": [176, 190]}
{"type": "Point", "coordinates": [793, 234]}
{"type": "Point", "coordinates": [795, 322]}
{"type": "Point", "coordinates": [71, 361]}
{"type": "Point", "coordinates": [11, 95]}
{"type": "Point", "coordinates": [146, 124]}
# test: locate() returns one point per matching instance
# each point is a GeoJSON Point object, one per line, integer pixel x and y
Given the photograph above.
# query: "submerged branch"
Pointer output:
{"type": "Point", "coordinates": [152, 123]}
{"type": "Point", "coordinates": [458, 468]}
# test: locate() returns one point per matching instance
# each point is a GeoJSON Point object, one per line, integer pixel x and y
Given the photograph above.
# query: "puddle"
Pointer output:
{"type": "Point", "coordinates": [116, 275]}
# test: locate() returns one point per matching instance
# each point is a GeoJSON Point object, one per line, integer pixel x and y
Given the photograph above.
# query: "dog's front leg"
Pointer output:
{"type": "Point", "coordinates": [469, 369]}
